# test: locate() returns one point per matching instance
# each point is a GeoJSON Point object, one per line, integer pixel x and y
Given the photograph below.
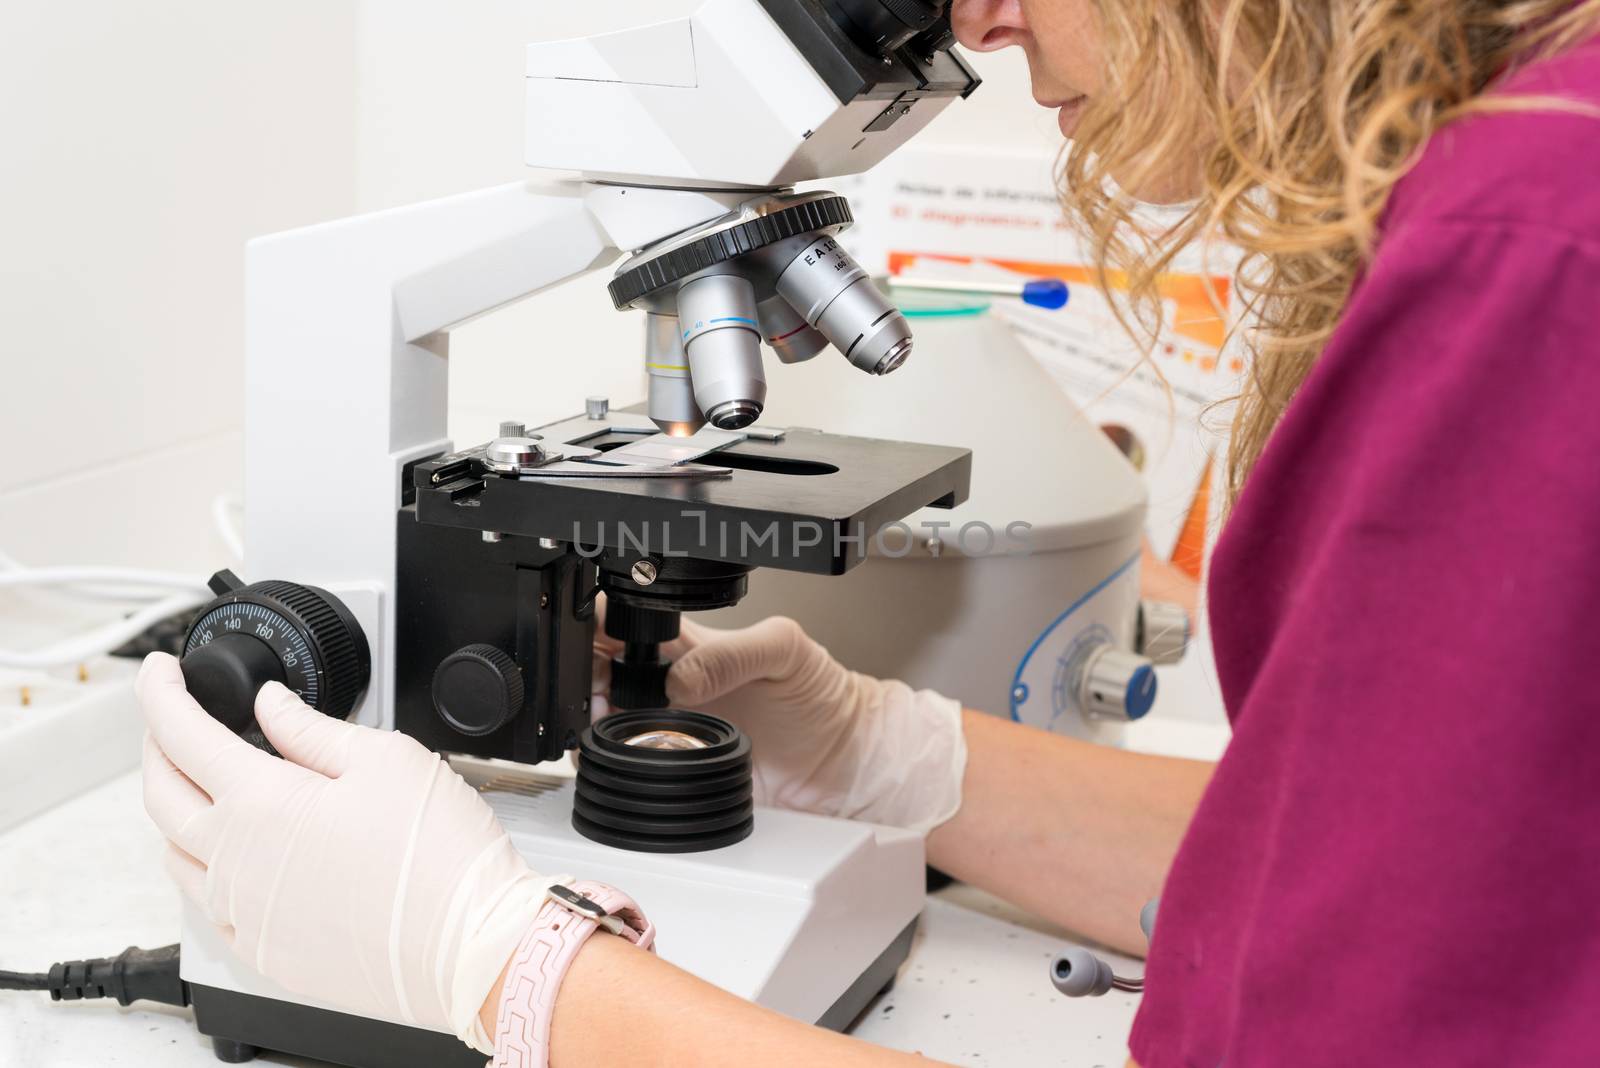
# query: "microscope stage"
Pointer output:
{"type": "Point", "coordinates": [808, 501]}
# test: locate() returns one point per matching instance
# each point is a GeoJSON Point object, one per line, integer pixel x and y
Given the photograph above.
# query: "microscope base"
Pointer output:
{"type": "Point", "coordinates": [809, 916]}
{"type": "Point", "coordinates": [339, 1038]}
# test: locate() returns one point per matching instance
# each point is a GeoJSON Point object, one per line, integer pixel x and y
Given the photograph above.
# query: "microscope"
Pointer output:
{"type": "Point", "coordinates": [451, 593]}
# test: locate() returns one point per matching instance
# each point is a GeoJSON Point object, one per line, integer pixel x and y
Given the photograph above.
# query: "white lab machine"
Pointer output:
{"type": "Point", "coordinates": [1023, 601]}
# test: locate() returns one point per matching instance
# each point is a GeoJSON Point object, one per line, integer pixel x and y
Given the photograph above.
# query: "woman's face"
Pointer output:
{"type": "Point", "coordinates": [1063, 43]}
{"type": "Point", "coordinates": [1060, 38]}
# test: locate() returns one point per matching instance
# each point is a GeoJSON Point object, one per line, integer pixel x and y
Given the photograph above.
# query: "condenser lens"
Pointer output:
{"type": "Point", "coordinates": [666, 740]}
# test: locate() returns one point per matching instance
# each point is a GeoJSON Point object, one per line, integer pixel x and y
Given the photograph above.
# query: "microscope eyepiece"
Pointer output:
{"type": "Point", "coordinates": [881, 26]}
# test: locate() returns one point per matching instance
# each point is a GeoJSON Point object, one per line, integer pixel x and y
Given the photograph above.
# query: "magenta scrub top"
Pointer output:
{"type": "Point", "coordinates": [1398, 861]}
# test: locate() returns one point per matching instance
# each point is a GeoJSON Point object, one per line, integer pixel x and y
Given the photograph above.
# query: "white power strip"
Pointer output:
{"type": "Point", "coordinates": [65, 737]}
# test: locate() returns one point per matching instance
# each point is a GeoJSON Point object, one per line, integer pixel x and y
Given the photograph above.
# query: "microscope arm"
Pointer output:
{"type": "Point", "coordinates": [347, 363]}
{"type": "Point", "coordinates": [493, 248]}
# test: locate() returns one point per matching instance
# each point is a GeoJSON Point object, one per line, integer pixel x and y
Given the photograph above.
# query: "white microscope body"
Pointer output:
{"type": "Point", "coordinates": [668, 127]}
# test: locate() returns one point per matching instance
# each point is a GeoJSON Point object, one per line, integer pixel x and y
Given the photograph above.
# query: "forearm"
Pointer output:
{"type": "Point", "coordinates": [1078, 833]}
{"type": "Point", "coordinates": [621, 1005]}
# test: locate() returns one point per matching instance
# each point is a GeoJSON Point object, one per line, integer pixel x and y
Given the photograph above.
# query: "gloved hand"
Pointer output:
{"type": "Point", "coordinates": [824, 739]}
{"type": "Point", "coordinates": [359, 870]}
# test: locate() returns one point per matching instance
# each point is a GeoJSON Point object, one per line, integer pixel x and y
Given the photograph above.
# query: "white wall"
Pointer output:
{"type": "Point", "coordinates": [141, 145]}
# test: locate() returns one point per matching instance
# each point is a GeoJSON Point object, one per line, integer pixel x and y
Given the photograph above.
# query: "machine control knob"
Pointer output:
{"type": "Point", "coordinates": [1117, 684]}
{"type": "Point", "coordinates": [300, 636]}
{"type": "Point", "coordinates": [478, 689]}
{"type": "Point", "coordinates": [225, 675]}
{"type": "Point", "coordinates": [1163, 631]}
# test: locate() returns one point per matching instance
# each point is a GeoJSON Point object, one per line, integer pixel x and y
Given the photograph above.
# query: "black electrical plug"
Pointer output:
{"type": "Point", "coordinates": [133, 975]}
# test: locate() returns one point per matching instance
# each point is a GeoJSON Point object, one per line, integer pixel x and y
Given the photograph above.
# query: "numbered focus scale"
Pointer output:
{"type": "Point", "coordinates": [300, 636]}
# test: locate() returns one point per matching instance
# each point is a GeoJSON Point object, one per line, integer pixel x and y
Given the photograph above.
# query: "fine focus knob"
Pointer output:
{"type": "Point", "coordinates": [477, 690]}
{"type": "Point", "coordinates": [300, 636]}
{"type": "Point", "coordinates": [1163, 631]}
{"type": "Point", "coordinates": [1118, 684]}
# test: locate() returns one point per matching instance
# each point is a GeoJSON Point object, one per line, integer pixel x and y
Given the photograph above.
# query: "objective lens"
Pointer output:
{"type": "Point", "coordinates": [895, 356]}
{"type": "Point", "coordinates": [666, 740]}
{"type": "Point", "coordinates": [721, 337]}
{"type": "Point", "coordinates": [671, 405]}
{"type": "Point", "coordinates": [791, 337]}
{"type": "Point", "coordinates": [832, 292]}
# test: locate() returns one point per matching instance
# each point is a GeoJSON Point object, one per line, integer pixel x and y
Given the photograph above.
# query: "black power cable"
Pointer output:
{"type": "Point", "coordinates": [132, 975]}
{"type": "Point", "coordinates": [24, 981]}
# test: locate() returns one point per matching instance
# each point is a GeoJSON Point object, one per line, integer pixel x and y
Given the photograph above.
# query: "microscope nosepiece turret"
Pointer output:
{"type": "Point", "coordinates": [770, 270]}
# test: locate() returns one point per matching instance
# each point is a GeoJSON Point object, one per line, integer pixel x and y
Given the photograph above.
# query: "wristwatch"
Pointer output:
{"type": "Point", "coordinates": [570, 914]}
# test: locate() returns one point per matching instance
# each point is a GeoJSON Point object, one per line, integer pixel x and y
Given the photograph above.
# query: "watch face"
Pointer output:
{"type": "Point", "coordinates": [577, 902]}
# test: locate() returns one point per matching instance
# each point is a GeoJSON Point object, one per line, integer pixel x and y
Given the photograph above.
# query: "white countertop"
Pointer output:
{"type": "Point", "coordinates": [84, 879]}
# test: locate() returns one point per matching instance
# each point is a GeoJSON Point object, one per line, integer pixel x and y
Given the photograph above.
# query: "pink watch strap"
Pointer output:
{"type": "Point", "coordinates": [558, 931]}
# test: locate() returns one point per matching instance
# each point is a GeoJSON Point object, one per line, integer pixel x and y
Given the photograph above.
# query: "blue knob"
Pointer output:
{"type": "Point", "coordinates": [1141, 693]}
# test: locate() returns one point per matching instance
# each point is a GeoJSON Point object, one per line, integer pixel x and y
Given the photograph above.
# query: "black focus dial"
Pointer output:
{"type": "Point", "coordinates": [478, 689]}
{"type": "Point", "coordinates": [300, 636]}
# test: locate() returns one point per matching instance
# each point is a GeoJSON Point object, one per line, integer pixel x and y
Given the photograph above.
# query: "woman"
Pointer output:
{"type": "Point", "coordinates": [1398, 857]}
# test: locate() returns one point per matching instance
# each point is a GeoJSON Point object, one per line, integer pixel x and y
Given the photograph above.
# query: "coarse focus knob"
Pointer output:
{"type": "Point", "coordinates": [478, 689]}
{"type": "Point", "coordinates": [1163, 631]}
{"type": "Point", "coordinates": [300, 636]}
{"type": "Point", "coordinates": [1118, 684]}
{"type": "Point", "coordinates": [225, 676]}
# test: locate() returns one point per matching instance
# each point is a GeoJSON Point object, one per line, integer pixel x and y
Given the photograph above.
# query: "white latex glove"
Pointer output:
{"type": "Point", "coordinates": [360, 870]}
{"type": "Point", "coordinates": [824, 739]}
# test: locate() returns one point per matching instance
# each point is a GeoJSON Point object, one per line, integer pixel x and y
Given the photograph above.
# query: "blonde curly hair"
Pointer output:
{"type": "Point", "coordinates": [1297, 118]}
